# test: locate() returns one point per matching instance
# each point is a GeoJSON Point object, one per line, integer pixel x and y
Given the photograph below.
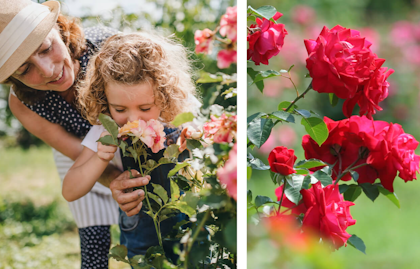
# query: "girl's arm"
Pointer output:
{"type": "Point", "coordinates": [55, 136]}
{"type": "Point", "coordinates": [86, 170]}
{"type": "Point", "coordinates": [52, 134]}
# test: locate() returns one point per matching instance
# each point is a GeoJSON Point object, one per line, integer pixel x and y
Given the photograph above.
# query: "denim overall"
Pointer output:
{"type": "Point", "coordinates": [138, 232]}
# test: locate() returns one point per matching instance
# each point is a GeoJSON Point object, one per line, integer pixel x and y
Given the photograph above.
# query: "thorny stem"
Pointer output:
{"type": "Point", "coordinates": [291, 80]}
{"type": "Point", "coordinates": [300, 96]}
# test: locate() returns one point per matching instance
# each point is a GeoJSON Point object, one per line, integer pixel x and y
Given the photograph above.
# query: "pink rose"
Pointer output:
{"type": "Point", "coordinates": [221, 130]}
{"type": "Point", "coordinates": [225, 58]}
{"type": "Point", "coordinates": [282, 160]}
{"type": "Point", "coordinates": [157, 134]}
{"type": "Point", "coordinates": [203, 41]}
{"type": "Point", "coordinates": [228, 23]}
{"type": "Point", "coordinates": [228, 175]}
{"type": "Point", "coordinates": [265, 39]}
{"type": "Point", "coordinates": [327, 213]}
{"type": "Point", "coordinates": [303, 14]}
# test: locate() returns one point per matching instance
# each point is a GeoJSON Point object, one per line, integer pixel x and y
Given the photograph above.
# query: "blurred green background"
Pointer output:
{"type": "Point", "coordinates": [391, 235]}
{"type": "Point", "coordinates": [36, 226]}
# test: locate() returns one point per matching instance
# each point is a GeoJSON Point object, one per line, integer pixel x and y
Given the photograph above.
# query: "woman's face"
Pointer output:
{"type": "Point", "coordinates": [50, 67]}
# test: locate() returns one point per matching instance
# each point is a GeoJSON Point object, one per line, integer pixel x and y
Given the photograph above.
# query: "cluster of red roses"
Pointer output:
{"type": "Point", "coordinates": [265, 39]}
{"type": "Point", "coordinates": [353, 142]}
{"type": "Point", "coordinates": [227, 28]}
{"type": "Point", "coordinates": [341, 62]}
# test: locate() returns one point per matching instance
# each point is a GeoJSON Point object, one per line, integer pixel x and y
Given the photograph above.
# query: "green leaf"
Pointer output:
{"type": "Point", "coordinates": [370, 190]}
{"type": "Point", "coordinates": [303, 112]}
{"type": "Point", "coordinates": [133, 153]}
{"type": "Point", "coordinates": [251, 18]}
{"type": "Point", "coordinates": [119, 252]}
{"type": "Point", "coordinates": [172, 151]}
{"type": "Point", "coordinates": [248, 172]}
{"type": "Point", "coordinates": [357, 243]}
{"type": "Point", "coordinates": [252, 73]}
{"type": "Point", "coordinates": [261, 200]}
{"type": "Point", "coordinates": [164, 160]}
{"type": "Point", "coordinates": [123, 145]}
{"type": "Point", "coordinates": [107, 140]}
{"type": "Point", "coordinates": [155, 198]}
{"type": "Point", "coordinates": [352, 193]}
{"type": "Point", "coordinates": [254, 116]}
{"type": "Point", "coordinates": [193, 144]}
{"type": "Point", "coordinates": [159, 190]}
{"type": "Point", "coordinates": [316, 128]}
{"type": "Point", "coordinates": [175, 193]}
{"type": "Point", "coordinates": [209, 78]}
{"type": "Point", "coordinates": [109, 125]}
{"type": "Point", "coordinates": [191, 199]}
{"type": "Point", "coordinates": [311, 163]}
{"type": "Point", "coordinates": [302, 171]}
{"type": "Point", "coordinates": [285, 104]}
{"type": "Point", "coordinates": [306, 182]}
{"type": "Point", "coordinates": [177, 167]}
{"type": "Point", "coordinates": [323, 177]}
{"type": "Point", "coordinates": [259, 130]}
{"type": "Point", "coordinates": [293, 187]}
{"type": "Point", "coordinates": [265, 11]}
{"type": "Point", "coordinates": [184, 208]}
{"type": "Point", "coordinates": [343, 188]}
{"type": "Point", "coordinates": [182, 118]}
{"type": "Point", "coordinates": [283, 115]}
{"type": "Point", "coordinates": [257, 164]}
{"type": "Point", "coordinates": [333, 99]}
{"type": "Point", "coordinates": [249, 196]}
{"type": "Point", "coordinates": [392, 196]}
{"type": "Point", "coordinates": [354, 175]}
{"type": "Point", "coordinates": [266, 74]}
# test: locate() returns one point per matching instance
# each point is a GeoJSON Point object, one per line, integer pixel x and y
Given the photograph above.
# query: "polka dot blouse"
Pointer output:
{"type": "Point", "coordinates": [57, 110]}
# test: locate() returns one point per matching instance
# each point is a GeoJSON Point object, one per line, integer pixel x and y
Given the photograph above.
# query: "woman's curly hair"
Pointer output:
{"type": "Point", "coordinates": [74, 39]}
{"type": "Point", "coordinates": [136, 58]}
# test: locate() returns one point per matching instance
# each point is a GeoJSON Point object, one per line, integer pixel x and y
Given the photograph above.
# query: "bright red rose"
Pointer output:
{"type": "Point", "coordinates": [265, 40]}
{"type": "Point", "coordinates": [281, 160]}
{"type": "Point", "coordinates": [228, 23]}
{"type": "Point", "coordinates": [203, 41]}
{"type": "Point", "coordinates": [370, 95]}
{"type": "Point", "coordinates": [328, 213]}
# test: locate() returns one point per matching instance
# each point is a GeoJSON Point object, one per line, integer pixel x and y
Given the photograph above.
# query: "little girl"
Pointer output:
{"type": "Point", "coordinates": [133, 76]}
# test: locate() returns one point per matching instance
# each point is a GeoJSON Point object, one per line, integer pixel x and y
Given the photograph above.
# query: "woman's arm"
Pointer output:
{"type": "Point", "coordinates": [52, 134]}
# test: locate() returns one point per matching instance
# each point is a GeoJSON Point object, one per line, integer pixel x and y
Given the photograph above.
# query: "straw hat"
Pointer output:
{"type": "Point", "coordinates": [23, 27]}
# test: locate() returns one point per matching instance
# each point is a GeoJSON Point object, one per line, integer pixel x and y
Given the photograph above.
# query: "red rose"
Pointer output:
{"type": "Point", "coordinates": [265, 40]}
{"type": "Point", "coordinates": [281, 160]}
{"type": "Point", "coordinates": [340, 61]}
{"type": "Point", "coordinates": [328, 213]}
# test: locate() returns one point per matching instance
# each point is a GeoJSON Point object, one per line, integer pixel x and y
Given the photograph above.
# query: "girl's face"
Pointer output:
{"type": "Point", "coordinates": [131, 102]}
{"type": "Point", "coordinates": [50, 67]}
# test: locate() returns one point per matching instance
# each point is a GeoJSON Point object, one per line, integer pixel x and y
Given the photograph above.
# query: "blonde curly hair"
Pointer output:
{"type": "Point", "coordinates": [135, 58]}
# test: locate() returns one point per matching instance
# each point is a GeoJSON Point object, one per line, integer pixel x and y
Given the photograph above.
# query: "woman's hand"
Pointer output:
{"type": "Point", "coordinates": [129, 202]}
{"type": "Point", "coordinates": [106, 153]}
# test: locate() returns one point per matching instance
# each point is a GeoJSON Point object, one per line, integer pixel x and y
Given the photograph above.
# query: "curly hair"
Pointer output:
{"type": "Point", "coordinates": [135, 58]}
{"type": "Point", "coordinates": [74, 39]}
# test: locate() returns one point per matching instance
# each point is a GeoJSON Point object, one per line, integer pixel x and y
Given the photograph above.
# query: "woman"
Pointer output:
{"type": "Point", "coordinates": [43, 55]}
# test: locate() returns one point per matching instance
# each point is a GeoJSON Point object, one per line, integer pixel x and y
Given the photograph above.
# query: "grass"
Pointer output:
{"type": "Point", "coordinates": [35, 220]}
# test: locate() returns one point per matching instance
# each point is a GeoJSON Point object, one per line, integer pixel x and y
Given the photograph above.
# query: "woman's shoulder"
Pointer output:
{"type": "Point", "coordinates": [98, 34]}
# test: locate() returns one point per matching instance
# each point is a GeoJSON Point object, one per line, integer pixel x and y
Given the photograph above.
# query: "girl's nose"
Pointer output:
{"type": "Point", "coordinates": [134, 117]}
{"type": "Point", "coordinates": [45, 66]}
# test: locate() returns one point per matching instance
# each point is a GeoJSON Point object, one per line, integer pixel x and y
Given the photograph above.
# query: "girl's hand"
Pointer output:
{"type": "Point", "coordinates": [106, 153]}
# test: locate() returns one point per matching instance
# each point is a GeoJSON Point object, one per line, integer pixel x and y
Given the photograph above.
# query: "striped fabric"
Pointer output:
{"type": "Point", "coordinates": [95, 208]}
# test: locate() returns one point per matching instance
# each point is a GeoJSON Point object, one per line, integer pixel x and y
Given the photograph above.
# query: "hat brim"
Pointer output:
{"type": "Point", "coordinates": [32, 42]}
